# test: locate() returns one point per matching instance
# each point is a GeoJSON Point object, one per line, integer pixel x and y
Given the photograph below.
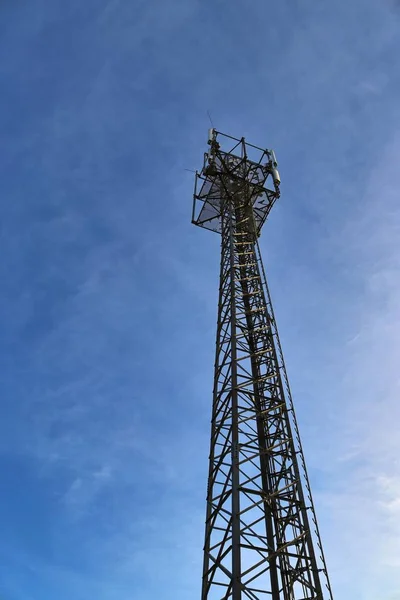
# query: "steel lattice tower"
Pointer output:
{"type": "Point", "coordinates": [261, 539]}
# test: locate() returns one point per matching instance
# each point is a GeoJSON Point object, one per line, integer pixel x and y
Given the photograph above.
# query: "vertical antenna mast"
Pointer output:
{"type": "Point", "coordinates": [261, 539]}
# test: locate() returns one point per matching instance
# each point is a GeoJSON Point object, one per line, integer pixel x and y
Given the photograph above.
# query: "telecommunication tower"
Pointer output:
{"type": "Point", "coordinates": [261, 538]}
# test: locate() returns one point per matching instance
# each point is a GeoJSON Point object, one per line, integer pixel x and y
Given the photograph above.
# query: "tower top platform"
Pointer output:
{"type": "Point", "coordinates": [234, 169]}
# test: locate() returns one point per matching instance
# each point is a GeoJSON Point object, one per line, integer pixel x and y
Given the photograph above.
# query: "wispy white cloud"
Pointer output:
{"type": "Point", "coordinates": [112, 401]}
{"type": "Point", "coordinates": [364, 513]}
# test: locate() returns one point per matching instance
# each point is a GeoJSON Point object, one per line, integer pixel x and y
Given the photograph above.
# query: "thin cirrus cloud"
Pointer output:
{"type": "Point", "coordinates": [109, 295]}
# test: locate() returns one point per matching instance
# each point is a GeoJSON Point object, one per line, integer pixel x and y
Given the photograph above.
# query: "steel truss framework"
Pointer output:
{"type": "Point", "coordinates": [261, 538]}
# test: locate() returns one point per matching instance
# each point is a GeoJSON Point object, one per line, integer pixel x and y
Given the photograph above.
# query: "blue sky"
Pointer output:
{"type": "Point", "coordinates": [108, 294]}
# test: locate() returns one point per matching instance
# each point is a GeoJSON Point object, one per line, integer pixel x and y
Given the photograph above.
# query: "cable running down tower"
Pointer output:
{"type": "Point", "coordinates": [261, 539]}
